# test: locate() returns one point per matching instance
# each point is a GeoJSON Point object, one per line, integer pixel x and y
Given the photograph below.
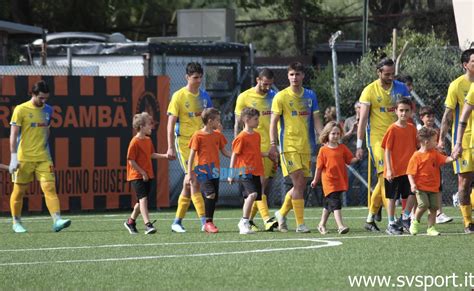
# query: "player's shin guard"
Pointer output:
{"type": "Point", "coordinates": [298, 207]}
{"type": "Point", "coordinates": [263, 208]}
{"type": "Point", "coordinates": [183, 205]}
{"type": "Point", "coordinates": [51, 198]}
{"type": "Point", "coordinates": [254, 210]}
{"type": "Point", "coordinates": [210, 202]}
{"type": "Point", "coordinates": [287, 204]}
{"type": "Point", "coordinates": [466, 211]}
{"type": "Point", "coordinates": [16, 200]}
{"type": "Point", "coordinates": [198, 203]}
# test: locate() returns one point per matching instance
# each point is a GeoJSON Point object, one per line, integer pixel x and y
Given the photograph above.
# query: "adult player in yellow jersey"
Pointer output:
{"type": "Point", "coordinates": [377, 113]}
{"type": "Point", "coordinates": [461, 144]}
{"type": "Point", "coordinates": [295, 110]}
{"type": "Point", "coordinates": [260, 97]}
{"type": "Point", "coordinates": [30, 156]}
{"type": "Point", "coordinates": [455, 100]}
{"type": "Point", "coordinates": [184, 118]}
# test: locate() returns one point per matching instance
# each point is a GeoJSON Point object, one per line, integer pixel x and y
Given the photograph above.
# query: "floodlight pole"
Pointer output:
{"type": "Point", "coordinates": [332, 45]}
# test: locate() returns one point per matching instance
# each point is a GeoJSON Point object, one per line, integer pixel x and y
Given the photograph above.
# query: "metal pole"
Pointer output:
{"type": "Point", "coordinates": [252, 64]}
{"type": "Point", "coordinates": [365, 21]}
{"type": "Point", "coordinates": [332, 45]}
{"type": "Point", "coordinates": [69, 61]}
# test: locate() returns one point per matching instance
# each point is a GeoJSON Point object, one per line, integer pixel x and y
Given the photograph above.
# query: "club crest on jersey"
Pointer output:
{"type": "Point", "coordinates": [291, 103]}
{"type": "Point", "coordinates": [186, 104]}
{"type": "Point", "coordinates": [30, 115]}
{"type": "Point", "coordinates": [379, 99]}
{"type": "Point", "coordinates": [254, 104]}
{"type": "Point", "coordinates": [204, 103]}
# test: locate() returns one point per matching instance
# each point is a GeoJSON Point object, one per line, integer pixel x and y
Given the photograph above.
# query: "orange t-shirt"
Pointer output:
{"type": "Point", "coordinates": [424, 167]}
{"type": "Point", "coordinates": [207, 147]}
{"type": "Point", "coordinates": [332, 162]}
{"type": "Point", "coordinates": [248, 155]}
{"type": "Point", "coordinates": [140, 151]}
{"type": "Point", "coordinates": [402, 143]}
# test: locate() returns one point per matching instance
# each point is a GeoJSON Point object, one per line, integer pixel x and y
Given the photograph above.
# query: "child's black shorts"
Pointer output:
{"type": "Point", "coordinates": [141, 187]}
{"type": "Point", "coordinates": [333, 201]}
{"type": "Point", "coordinates": [251, 184]}
{"type": "Point", "coordinates": [209, 186]}
{"type": "Point", "coordinates": [400, 186]}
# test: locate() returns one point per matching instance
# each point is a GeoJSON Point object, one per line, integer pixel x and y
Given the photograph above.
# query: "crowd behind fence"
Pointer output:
{"type": "Point", "coordinates": [225, 78]}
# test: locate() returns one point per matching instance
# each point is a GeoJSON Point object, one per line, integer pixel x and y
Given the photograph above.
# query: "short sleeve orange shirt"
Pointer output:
{"type": "Point", "coordinates": [332, 162]}
{"type": "Point", "coordinates": [402, 143]}
{"type": "Point", "coordinates": [424, 167]}
{"type": "Point", "coordinates": [140, 151]}
{"type": "Point", "coordinates": [207, 147]}
{"type": "Point", "coordinates": [248, 155]}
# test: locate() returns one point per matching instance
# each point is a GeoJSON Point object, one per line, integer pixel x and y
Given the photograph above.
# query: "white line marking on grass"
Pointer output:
{"type": "Point", "coordinates": [323, 244]}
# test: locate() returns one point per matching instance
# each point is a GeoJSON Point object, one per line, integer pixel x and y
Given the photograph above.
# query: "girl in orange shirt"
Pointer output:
{"type": "Point", "coordinates": [331, 167]}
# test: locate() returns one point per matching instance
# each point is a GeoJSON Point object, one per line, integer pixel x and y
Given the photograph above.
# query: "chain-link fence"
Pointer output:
{"type": "Point", "coordinates": [431, 69]}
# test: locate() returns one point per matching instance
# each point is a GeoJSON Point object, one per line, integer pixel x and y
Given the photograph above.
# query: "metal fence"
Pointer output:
{"type": "Point", "coordinates": [225, 78]}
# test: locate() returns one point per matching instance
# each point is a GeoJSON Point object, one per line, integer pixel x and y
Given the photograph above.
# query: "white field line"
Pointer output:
{"type": "Point", "coordinates": [324, 243]}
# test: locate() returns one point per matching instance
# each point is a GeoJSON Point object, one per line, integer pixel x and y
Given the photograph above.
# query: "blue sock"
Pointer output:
{"type": "Point", "coordinates": [406, 214]}
{"type": "Point", "coordinates": [177, 220]}
{"type": "Point", "coordinates": [203, 220]}
{"type": "Point", "coordinates": [391, 219]}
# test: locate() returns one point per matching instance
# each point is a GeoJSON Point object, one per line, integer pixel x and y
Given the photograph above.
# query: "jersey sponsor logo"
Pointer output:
{"type": "Point", "coordinates": [39, 124]}
{"type": "Point", "coordinates": [194, 114]}
{"type": "Point", "coordinates": [388, 109]}
{"type": "Point", "coordinates": [267, 112]}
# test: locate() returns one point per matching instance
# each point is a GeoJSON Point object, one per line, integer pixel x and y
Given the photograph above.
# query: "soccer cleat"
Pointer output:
{"type": "Point", "coordinates": [322, 229]}
{"type": "Point", "coordinates": [343, 230]}
{"type": "Point", "coordinates": [282, 226]}
{"type": "Point", "coordinates": [404, 224]}
{"type": "Point", "coordinates": [469, 229]}
{"type": "Point", "coordinates": [443, 218]}
{"type": "Point", "coordinates": [303, 229]}
{"type": "Point", "coordinates": [270, 224]}
{"type": "Point", "coordinates": [18, 228]}
{"type": "Point", "coordinates": [61, 224]}
{"type": "Point", "coordinates": [378, 216]}
{"type": "Point", "coordinates": [371, 226]}
{"type": "Point", "coordinates": [393, 229]}
{"type": "Point", "coordinates": [414, 227]}
{"type": "Point", "coordinates": [245, 228]}
{"type": "Point", "coordinates": [131, 227]}
{"type": "Point", "coordinates": [177, 227]}
{"type": "Point", "coordinates": [149, 228]}
{"type": "Point", "coordinates": [253, 226]}
{"type": "Point", "coordinates": [456, 200]}
{"type": "Point", "coordinates": [431, 231]}
{"type": "Point", "coordinates": [209, 227]}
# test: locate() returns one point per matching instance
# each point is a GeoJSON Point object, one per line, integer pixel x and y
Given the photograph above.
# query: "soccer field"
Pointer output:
{"type": "Point", "coordinates": [98, 252]}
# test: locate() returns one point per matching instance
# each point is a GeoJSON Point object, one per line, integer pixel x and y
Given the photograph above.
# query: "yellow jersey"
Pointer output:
{"type": "Point", "coordinates": [470, 101]}
{"type": "Point", "coordinates": [263, 103]}
{"type": "Point", "coordinates": [382, 108]}
{"type": "Point", "coordinates": [34, 122]}
{"type": "Point", "coordinates": [457, 93]}
{"type": "Point", "coordinates": [296, 126]}
{"type": "Point", "coordinates": [188, 108]}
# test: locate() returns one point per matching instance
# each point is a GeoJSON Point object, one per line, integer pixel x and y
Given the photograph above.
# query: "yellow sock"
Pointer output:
{"type": "Point", "coordinates": [472, 198]}
{"type": "Point", "coordinates": [466, 211]}
{"type": "Point", "coordinates": [375, 199]}
{"type": "Point", "coordinates": [263, 208]}
{"type": "Point", "coordinates": [198, 203]}
{"type": "Point", "coordinates": [51, 198]}
{"type": "Point", "coordinates": [287, 205]}
{"type": "Point", "coordinates": [183, 205]}
{"type": "Point", "coordinates": [254, 210]}
{"type": "Point", "coordinates": [16, 200]}
{"type": "Point", "coordinates": [298, 207]}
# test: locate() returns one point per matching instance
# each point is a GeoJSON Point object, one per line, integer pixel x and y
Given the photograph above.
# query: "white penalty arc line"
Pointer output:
{"type": "Point", "coordinates": [323, 244]}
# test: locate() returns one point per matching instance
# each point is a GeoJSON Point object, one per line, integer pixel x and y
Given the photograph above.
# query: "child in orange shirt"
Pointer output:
{"type": "Point", "coordinates": [424, 175]}
{"type": "Point", "coordinates": [204, 165]}
{"type": "Point", "coordinates": [140, 170]}
{"type": "Point", "coordinates": [247, 161]}
{"type": "Point", "coordinates": [427, 116]}
{"type": "Point", "coordinates": [331, 166]}
{"type": "Point", "coordinates": [399, 143]}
